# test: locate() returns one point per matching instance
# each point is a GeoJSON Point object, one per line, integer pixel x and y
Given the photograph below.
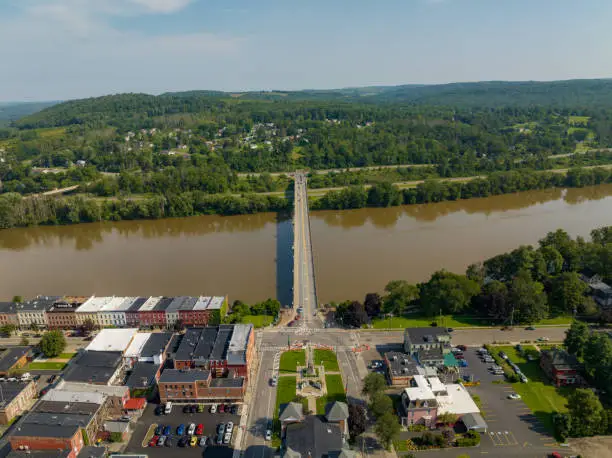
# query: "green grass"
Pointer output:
{"type": "Point", "coordinates": [335, 392]}
{"type": "Point", "coordinates": [258, 321]}
{"type": "Point", "coordinates": [66, 355]}
{"type": "Point", "coordinates": [291, 359]}
{"type": "Point", "coordinates": [417, 320]}
{"type": "Point", "coordinates": [34, 366]}
{"type": "Point", "coordinates": [285, 393]}
{"type": "Point", "coordinates": [328, 359]}
{"type": "Point", "coordinates": [539, 394]}
{"type": "Point", "coordinates": [579, 120]}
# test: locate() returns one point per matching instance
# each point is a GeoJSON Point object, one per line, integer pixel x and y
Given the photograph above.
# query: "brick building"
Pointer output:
{"type": "Point", "coordinates": [13, 358]}
{"type": "Point", "coordinates": [16, 397]}
{"type": "Point", "coordinates": [206, 310]}
{"type": "Point", "coordinates": [8, 314]}
{"type": "Point", "coordinates": [561, 367]}
{"type": "Point", "coordinates": [199, 385]}
{"type": "Point", "coordinates": [401, 368]}
{"type": "Point", "coordinates": [153, 312]}
{"type": "Point", "coordinates": [62, 314]}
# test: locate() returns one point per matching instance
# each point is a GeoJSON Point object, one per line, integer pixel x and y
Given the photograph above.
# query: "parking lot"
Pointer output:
{"type": "Point", "coordinates": [174, 419]}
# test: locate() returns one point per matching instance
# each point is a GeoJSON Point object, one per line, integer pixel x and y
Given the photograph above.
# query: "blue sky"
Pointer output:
{"type": "Point", "coordinates": [62, 49]}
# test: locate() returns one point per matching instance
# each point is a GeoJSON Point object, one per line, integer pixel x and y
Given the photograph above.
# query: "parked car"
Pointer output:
{"type": "Point", "coordinates": [186, 409]}
{"type": "Point", "coordinates": [180, 430]}
{"type": "Point", "coordinates": [191, 429]}
{"type": "Point", "coordinates": [193, 408]}
{"type": "Point", "coordinates": [227, 438]}
{"type": "Point", "coordinates": [514, 396]}
{"type": "Point", "coordinates": [503, 355]}
{"type": "Point", "coordinates": [274, 380]}
{"type": "Point", "coordinates": [221, 428]}
{"type": "Point", "coordinates": [159, 410]}
{"type": "Point", "coordinates": [213, 408]}
{"type": "Point", "coordinates": [543, 339]}
{"type": "Point", "coordinates": [221, 408]}
{"type": "Point", "coordinates": [161, 441]}
{"type": "Point", "coordinates": [200, 408]}
{"type": "Point", "coordinates": [234, 410]}
{"type": "Point", "coordinates": [203, 441]}
{"type": "Point", "coordinates": [183, 441]}
{"type": "Point", "coordinates": [462, 347]}
{"type": "Point", "coordinates": [52, 379]}
{"type": "Point", "coordinates": [199, 429]}
{"type": "Point", "coordinates": [449, 329]}
{"type": "Point", "coordinates": [229, 427]}
{"type": "Point", "coordinates": [459, 356]}
{"type": "Point", "coordinates": [530, 328]}
{"type": "Point", "coordinates": [268, 434]}
{"type": "Point", "coordinates": [194, 441]}
{"type": "Point", "coordinates": [159, 430]}
{"type": "Point", "coordinates": [169, 442]}
{"type": "Point", "coordinates": [523, 378]}
{"type": "Point", "coordinates": [167, 430]}
{"type": "Point", "coordinates": [153, 441]}
{"type": "Point", "coordinates": [463, 363]}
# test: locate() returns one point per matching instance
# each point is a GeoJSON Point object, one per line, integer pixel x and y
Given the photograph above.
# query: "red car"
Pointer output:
{"type": "Point", "coordinates": [221, 408]}
{"type": "Point", "coordinates": [459, 356]}
{"type": "Point", "coordinates": [462, 347]}
{"type": "Point", "coordinates": [199, 430]}
{"type": "Point", "coordinates": [153, 441]}
{"type": "Point", "coordinates": [556, 455]}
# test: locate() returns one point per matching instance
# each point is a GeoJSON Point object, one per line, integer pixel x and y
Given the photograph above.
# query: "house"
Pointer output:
{"type": "Point", "coordinates": [293, 412]}
{"type": "Point", "coordinates": [418, 407]}
{"type": "Point", "coordinates": [178, 303]}
{"type": "Point", "coordinates": [419, 339]}
{"type": "Point", "coordinates": [131, 313]}
{"type": "Point", "coordinates": [153, 312]}
{"type": "Point", "coordinates": [400, 368]}
{"type": "Point", "coordinates": [13, 358]}
{"type": "Point", "coordinates": [600, 291]}
{"type": "Point", "coordinates": [31, 314]}
{"type": "Point", "coordinates": [88, 311]}
{"type": "Point", "coordinates": [220, 349]}
{"type": "Point", "coordinates": [337, 413]}
{"type": "Point", "coordinates": [8, 314]}
{"type": "Point", "coordinates": [314, 437]}
{"type": "Point", "coordinates": [16, 398]}
{"type": "Point", "coordinates": [113, 313]}
{"type": "Point", "coordinates": [561, 367]}
{"type": "Point", "coordinates": [199, 385]}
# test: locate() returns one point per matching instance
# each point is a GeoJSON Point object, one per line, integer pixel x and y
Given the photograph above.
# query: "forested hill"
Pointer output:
{"type": "Point", "coordinates": [13, 111]}
{"type": "Point", "coordinates": [129, 110]}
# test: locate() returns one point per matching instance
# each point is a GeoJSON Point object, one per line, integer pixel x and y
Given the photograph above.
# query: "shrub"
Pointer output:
{"type": "Point", "coordinates": [470, 439]}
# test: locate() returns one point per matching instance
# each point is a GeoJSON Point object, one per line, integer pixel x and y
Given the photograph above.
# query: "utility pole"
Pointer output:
{"type": "Point", "coordinates": [512, 318]}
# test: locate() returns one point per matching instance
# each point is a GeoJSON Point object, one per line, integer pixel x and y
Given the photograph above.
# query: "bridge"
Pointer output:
{"type": "Point", "coordinates": [304, 287]}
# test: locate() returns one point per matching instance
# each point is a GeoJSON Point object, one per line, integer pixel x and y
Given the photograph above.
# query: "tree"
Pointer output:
{"type": "Point", "coordinates": [562, 423]}
{"type": "Point", "coordinates": [380, 403]}
{"type": "Point", "coordinates": [449, 436]}
{"type": "Point", "coordinates": [576, 338]}
{"type": "Point", "coordinates": [372, 304]}
{"type": "Point", "coordinates": [493, 301]}
{"type": "Point", "coordinates": [357, 419]}
{"type": "Point", "coordinates": [351, 314]}
{"type": "Point", "coordinates": [447, 292]}
{"type": "Point", "coordinates": [567, 293]}
{"type": "Point", "coordinates": [374, 383]}
{"type": "Point", "coordinates": [598, 361]}
{"type": "Point", "coordinates": [24, 342]}
{"type": "Point", "coordinates": [585, 411]}
{"type": "Point", "coordinates": [447, 418]}
{"type": "Point", "coordinates": [387, 428]}
{"type": "Point", "coordinates": [53, 343]}
{"type": "Point", "coordinates": [528, 298]}
{"type": "Point", "coordinates": [88, 327]}
{"type": "Point", "coordinates": [400, 294]}
{"type": "Point", "coordinates": [18, 299]}
{"type": "Point", "coordinates": [8, 330]}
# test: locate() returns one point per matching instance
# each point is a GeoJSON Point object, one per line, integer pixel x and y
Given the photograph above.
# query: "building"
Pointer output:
{"type": "Point", "coordinates": [56, 426]}
{"type": "Point", "coordinates": [13, 358]}
{"type": "Point", "coordinates": [94, 367]}
{"type": "Point", "coordinates": [206, 310]}
{"type": "Point", "coordinates": [155, 348]}
{"type": "Point", "coordinates": [177, 304]}
{"type": "Point", "coordinates": [8, 314]}
{"type": "Point", "coordinates": [62, 314]}
{"type": "Point", "coordinates": [199, 385]}
{"type": "Point", "coordinates": [143, 375]}
{"type": "Point", "coordinates": [131, 313]}
{"type": "Point", "coordinates": [113, 313]}
{"type": "Point", "coordinates": [293, 412]}
{"type": "Point", "coordinates": [120, 428]}
{"type": "Point", "coordinates": [15, 397]}
{"type": "Point", "coordinates": [112, 340]}
{"type": "Point", "coordinates": [400, 368]}
{"type": "Point", "coordinates": [152, 313]}
{"type": "Point", "coordinates": [133, 351]}
{"type": "Point", "coordinates": [561, 367]}
{"type": "Point", "coordinates": [116, 396]}
{"type": "Point", "coordinates": [418, 339]}
{"type": "Point", "coordinates": [34, 313]}
{"type": "Point", "coordinates": [315, 436]}
{"type": "Point", "coordinates": [88, 311]}
{"type": "Point", "coordinates": [600, 291]}
{"type": "Point", "coordinates": [220, 349]}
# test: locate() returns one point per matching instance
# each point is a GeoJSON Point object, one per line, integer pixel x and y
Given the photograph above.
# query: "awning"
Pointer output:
{"type": "Point", "coordinates": [135, 404]}
{"type": "Point", "coordinates": [474, 422]}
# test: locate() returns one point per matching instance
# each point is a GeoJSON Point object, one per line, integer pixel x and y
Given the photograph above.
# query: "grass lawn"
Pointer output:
{"type": "Point", "coordinates": [66, 355]}
{"type": "Point", "coordinates": [328, 358]}
{"type": "Point", "coordinates": [285, 393]}
{"type": "Point", "coordinates": [291, 359]}
{"type": "Point", "coordinates": [34, 366]}
{"type": "Point", "coordinates": [335, 392]}
{"type": "Point", "coordinates": [258, 321]}
{"type": "Point", "coordinates": [540, 396]}
{"type": "Point", "coordinates": [417, 320]}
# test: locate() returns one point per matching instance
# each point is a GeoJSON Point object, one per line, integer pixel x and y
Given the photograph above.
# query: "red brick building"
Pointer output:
{"type": "Point", "coordinates": [8, 314]}
{"type": "Point", "coordinates": [199, 385]}
{"type": "Point", "coordinates": [561, 367]}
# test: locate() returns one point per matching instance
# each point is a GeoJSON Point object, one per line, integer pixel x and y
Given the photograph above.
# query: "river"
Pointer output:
{"type": "Point", "coordinates": [249, 257]}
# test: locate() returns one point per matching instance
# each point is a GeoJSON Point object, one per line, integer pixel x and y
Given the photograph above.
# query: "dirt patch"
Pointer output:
{"type": "Point", "coordinates": [593, 447]}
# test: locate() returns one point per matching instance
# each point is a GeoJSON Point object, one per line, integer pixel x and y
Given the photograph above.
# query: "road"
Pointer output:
{"type": "Point", "coordinates": [304, 288]}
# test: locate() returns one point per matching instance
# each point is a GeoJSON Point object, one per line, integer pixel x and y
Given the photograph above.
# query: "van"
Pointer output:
{"type": "Point", "coordinates": [168, 408]}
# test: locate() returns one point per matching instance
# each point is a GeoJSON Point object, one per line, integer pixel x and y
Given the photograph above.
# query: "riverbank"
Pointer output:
{"type": "Point", "coordinates": [18, 211]}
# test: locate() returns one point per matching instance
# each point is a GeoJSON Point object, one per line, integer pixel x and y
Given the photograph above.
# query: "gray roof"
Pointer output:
{"type": "Point", "coordinates": [423, 335]}
{"type": "Point", "coordinates": [236, 353]}
{"type": "Point", "coordinates": [179, 376]}
{"type": "Point", "coordinates": [38, 424]}
{"type": "Point", "coordinates": [401, 364]}
{"type": "Point", "coordinates": [213, 343]}
{"type": "Point", "coordinates": [90, 451]}
{"type": "Point", "coordinates": [39, 453]}
{"type": "Point", "coordinates": [337, 411]}
{"type": "Point", "coordinates": [81, 408]}
{"type": "Point", "coordinates": [93, 367]}
{"type": "Point", "coordinates": [10, 357]}
{"type": "Point", "coordinates": [8, 307]}
{"type": "Point", "coordinates": [227, 382]}
{"type": "Point", "coordinates": [221, 343]}
{"type": "Point", "coordinates": [430, 354]}
{"type": "Point", "coordinates": [292, 411]}
{"type": "Point", "coordinates": [116, 426]}
{"type": "Point", "coordinates": [142, 375]}
{"type": "Point", "coordinates": [314, 437]}
{"type": "Point", "coordinates": [560, 357]}
{"type": "Point", "coordinates": [163, 304]}
{"type": "Point", "coordinates": [181, 303]}
{"type": "Point", "coordinates": [474, 420]}
{"type": "Point", "coordinates": [137, 304]}
{"type": "Point", "coordinates": [156, 344]}
{"type": "Point", "coordinates": [40, 304]}
{"type": "Point", "coordinates": [10, 390]}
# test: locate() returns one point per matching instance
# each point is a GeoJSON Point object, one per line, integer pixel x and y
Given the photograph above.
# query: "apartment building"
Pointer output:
{"type": "Point", "coordinates": [113, 313]}
{"type": "Point", "coordinates": [8, 313]}
{"type": "Point", "coordinates": [177, 304]}
{"type": "Point", "coordinates": [33, 313]}
{"type": "Point", "coordinates": [198, 385]}
{"type": "Point", "coordinates": [206, 310]}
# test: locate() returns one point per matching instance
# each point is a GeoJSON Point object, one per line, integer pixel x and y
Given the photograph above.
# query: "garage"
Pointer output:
{"type": "Point", "coordinates": [474, 422]}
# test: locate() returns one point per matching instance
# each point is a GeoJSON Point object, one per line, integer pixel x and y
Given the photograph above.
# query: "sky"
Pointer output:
{"type": "Point", "coordinates": [65, 49]}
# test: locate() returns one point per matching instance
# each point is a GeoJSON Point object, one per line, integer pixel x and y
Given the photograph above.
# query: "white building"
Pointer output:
{"type": "Point", "coordinates": [113, 340]}
{"type": "Point", "coordinates": [132, 353]}
{"type": "Point", "coordinates": [113, 313]}
{"type": "Point", "coordinates": [90, 308]}
{"type": "Point", "coordinates": [33, 313]}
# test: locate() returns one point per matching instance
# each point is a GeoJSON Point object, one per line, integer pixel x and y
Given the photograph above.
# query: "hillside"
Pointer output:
{"type": "Point", "coordinates": [11, 111]}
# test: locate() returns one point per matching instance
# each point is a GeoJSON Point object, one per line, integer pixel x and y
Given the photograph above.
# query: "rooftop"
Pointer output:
{"type": "Point", "coordinates": [163, 304]}
{"type": "Point", "coordinates": [93, 367]}
{"type": "Point", "coordinates": [401, 364]}
{"type": "Point", "coordinates": [94, 304]}
{"type": "Point", "coordinates": [202, 303]}
{"type": "Point", "coordinates": [112, 340]}
{"type": "Point", "coordinates": [107, 390]}
{"type": "Point", "coordinates": [216, 303]}
{"type": "Point", "coordinates": [138, 343]}
{"type": "Point", "coordinates": [135, 306]}
{"type": "Point", "coordinates": [57, 395]}
{"type": "Point", "coordinates": [558, 357]}
{"type": "Point", "coordinates": [80, 408]}
{"type": "Point", "coordinates": [8, 307]}
{"type": "Point", "coordinates": [227, 382]}
{"type": "Point", "coordinates": [314, 438]}
{"type": "Point", "coordinates": [10, 390]}
{"type": "Point", "coordinates": [11, 355]}
{"type": "Point", "coordinates": [39, 453]}
{"type": "Point", "coordinates": [120, 304]}
{"type": "Point", "coordinates": [156, 344]}
{"type": "Point", "coordinates": [42, 424]}
{"type": "Point", "coordinates": [150, 304]}
{"type": "Point", "coordinates": [293, 411]}
{"type": "Point", "coordinates": [457, 401]}
{"type": "Point", "coordinates": [181, 303]}
{"type": "Point", "coordinates": [40, 304]}
{"type": "Point", "coordinates": [179, 376]}
{"type": "Point", "coordinates": [142, 375]}
{"type": "Point", "coordinates": [426, 335]}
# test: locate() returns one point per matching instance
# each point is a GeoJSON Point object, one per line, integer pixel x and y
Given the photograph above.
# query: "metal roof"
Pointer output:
{"type": "Point", "coordinates": [150, 304]}
{"type": "Point", "coordinates": [202, 303]}
{"type": "Point", "coordinates": [137, 304]}
{"type": "Point", "coordinates": [178, 376]}
{"type": "Point", "coordinates": [9, 391]}
{"type": "Point", "coordinates": [138, 342]}
{"type": "Point", "coordinates": [156, 344]}
{"type": "Point", "coordinates": [112, 340]}
{"type": "Point", "coordinates": [163, 304]}
{"type": "Point", "coordinates": [74, 396]}
{"type": "Point", "coordinates": [216, 303]}
{"type": "Point", "coordinates": [94, 304]}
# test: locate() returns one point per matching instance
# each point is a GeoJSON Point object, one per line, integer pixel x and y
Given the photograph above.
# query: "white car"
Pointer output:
{"type": "Point", "coordinates": [227, 438]}
{"type": "Point", "coordinates": [229, 427]}
{"type": "Point", "coordinates": [514, 396]}
{"type": "Point", "coordinates": [213, 408]}
{"type": "Point", "coordinates": [268, 434]}
{"type": "Point", "coordinates": [191, 429]}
